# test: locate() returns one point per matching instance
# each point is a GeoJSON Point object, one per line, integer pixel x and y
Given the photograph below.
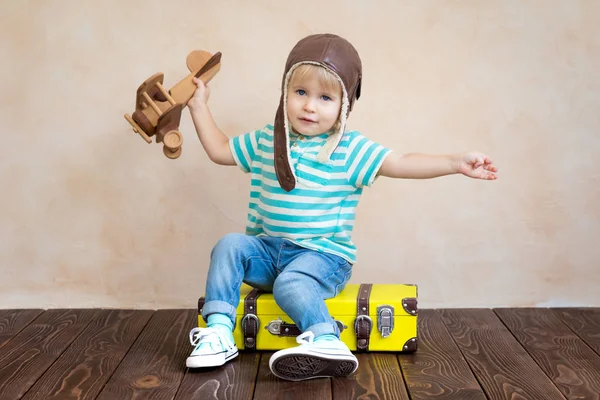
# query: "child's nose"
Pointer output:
{"type": "Point", "coordinates": [309, 105]}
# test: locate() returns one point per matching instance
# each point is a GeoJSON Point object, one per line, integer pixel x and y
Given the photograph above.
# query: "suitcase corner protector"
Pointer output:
{"type": "Point", "coordinates": [410, 305]}
{"type": "Point", "coordinates": [411, 345]}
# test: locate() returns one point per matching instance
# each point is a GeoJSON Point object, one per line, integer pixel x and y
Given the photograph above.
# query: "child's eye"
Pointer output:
{"type": "Point", "coordinates": [301, 92]}
{"type": "Point", "coordinates": [325, 97]}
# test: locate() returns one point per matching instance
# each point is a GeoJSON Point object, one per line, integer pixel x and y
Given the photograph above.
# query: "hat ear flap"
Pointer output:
{"type": "Point", "coordinates": [355, 95]}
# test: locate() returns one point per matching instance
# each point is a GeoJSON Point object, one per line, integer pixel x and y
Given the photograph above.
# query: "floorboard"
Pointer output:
{"type": "Point", "coordinates": [13, 321]}
{"type": "Point", "coordinates": [85, 367]}
{"type": "Point", "coordinates": [29, 354]}
{"type": "Point", "coordinates": [585, 322]}
{"type": "Point", "coordinates": [438, 370]}
{"type": "Point", "coordinates": [463, 354]}
{"type": "Point", "coordinates": [234, 381]}
{"type": "Point", "coordinates": [563, 356]}
{"type": "Point", "coordinates": [269, 387]}
{"type": "Point", "coordinates": [503, 368]}
{"type": "Point", "coordinates": [378, 377]}
{"type": "Point", "coordinates": [155, 365]}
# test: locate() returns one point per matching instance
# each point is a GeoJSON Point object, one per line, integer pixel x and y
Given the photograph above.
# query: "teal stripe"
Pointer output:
{"type": "Point", "coordinates": [342, 240]}
{"type": "Point", "coordinates": [264, 148]}
{"type": "Point", "coordinates": [329, 247]}
{"type": "Point", "coordinates": [335, 246]}
{"type": "Point", "coordinates": [239, 154]}
{"type": "Point", "coordinates": [249, 146]}
{"type": "Point", "coordinates": [263, 160]}
{"type": "Point", "coordinates": [266, 174]}
{"type": "Point", "coordinates": [304, 145]}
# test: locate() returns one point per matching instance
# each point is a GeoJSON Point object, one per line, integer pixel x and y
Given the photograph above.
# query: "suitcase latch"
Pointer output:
{"type": "Point", "coordinates": [385, 320]}
{"type": "Point", "coordinates": [274, 327]}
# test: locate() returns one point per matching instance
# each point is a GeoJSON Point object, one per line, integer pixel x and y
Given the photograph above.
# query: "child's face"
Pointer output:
{"type": "Point", "coordinates": [312, 108]}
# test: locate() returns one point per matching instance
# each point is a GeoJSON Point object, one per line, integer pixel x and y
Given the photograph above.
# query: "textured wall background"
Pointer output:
{"type": "Point", "coordinates": [93, 216]}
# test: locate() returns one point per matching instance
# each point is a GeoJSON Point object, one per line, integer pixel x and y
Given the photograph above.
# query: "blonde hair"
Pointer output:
{"type": "Point", "coordinates": [326, 79]}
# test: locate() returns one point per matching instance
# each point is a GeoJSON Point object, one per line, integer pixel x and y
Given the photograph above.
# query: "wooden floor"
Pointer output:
{"type": "Point", "coordinates": [538, 354]}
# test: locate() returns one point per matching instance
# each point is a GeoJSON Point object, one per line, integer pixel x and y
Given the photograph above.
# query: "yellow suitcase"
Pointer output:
{"type": "Point", "coordinates": [371, 317]}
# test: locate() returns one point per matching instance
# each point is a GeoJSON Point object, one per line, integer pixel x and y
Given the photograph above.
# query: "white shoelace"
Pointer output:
{"type": "Point", "coordinates": [212, 335]}
{"type": "Point", "coordinates": [198, 334]}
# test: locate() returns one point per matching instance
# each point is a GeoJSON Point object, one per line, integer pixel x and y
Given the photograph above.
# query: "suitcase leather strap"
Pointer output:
{"type": "Point", "coordinates": [363, 324]}
{"type": "Point", "coordinates": [289, 330]}
{"type": "Point", "coordinates": [250, 321]}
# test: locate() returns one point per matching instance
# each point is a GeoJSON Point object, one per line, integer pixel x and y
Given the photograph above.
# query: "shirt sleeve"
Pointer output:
{"type": "Point", "coordinates": [364, 160]}
{"type": "Point", "coordinates": [244, 148]}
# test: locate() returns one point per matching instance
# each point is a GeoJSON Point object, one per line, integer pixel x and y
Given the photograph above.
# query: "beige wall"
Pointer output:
{"type": "Point", "coordinates": [93, 216]}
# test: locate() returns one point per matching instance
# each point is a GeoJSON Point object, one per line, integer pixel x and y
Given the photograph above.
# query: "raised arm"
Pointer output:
{"type": "Point", "coordinates": [214, 141]}
{"type": "Point", "coordinates": [424, 166]}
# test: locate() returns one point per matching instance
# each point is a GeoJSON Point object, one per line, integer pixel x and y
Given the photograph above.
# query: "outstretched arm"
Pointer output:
{"type": "Point", "coordinates": [214, 141]}
{"type": "Point", "coordinates": [423, 166]}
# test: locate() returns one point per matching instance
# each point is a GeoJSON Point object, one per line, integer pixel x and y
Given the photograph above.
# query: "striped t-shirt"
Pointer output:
{"type": "Point", "coordinates": [319, 213]}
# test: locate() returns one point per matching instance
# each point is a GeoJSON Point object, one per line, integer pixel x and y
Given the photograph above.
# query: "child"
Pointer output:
{"type": "Point", "coordinates": [308, 174]}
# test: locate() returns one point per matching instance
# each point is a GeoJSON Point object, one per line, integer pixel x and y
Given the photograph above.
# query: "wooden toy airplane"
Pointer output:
{"type": "Point", "coordinates": [158, 111]}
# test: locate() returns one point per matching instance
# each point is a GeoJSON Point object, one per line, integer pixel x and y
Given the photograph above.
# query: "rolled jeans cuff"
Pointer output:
{"type": "Point", "coordinates": [324, 328]}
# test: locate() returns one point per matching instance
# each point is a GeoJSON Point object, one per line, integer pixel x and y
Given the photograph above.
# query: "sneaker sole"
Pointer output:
{"type": "Point", "coordinates": [208, 361]}
{"type": "Point", "coordinates": [295, 367]}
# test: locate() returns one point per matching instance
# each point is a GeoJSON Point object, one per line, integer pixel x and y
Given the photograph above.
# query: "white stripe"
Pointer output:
{"type": "Point", "coordinates": [254, 142]}
{"type": "Point", "coordinates": [314, 171]}
{"type": "Point", "coordinates": [242, 144]}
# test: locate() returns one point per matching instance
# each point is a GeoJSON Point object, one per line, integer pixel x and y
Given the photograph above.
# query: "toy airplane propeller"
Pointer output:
{"type": "Point", "coordinates": [158, 111]}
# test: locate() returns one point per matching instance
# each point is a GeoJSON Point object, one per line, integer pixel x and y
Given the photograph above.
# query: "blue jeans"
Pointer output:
{"type": "Point", "coordinates": [299, 278]}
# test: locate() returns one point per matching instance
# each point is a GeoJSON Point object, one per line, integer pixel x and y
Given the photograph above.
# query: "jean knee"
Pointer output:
{"type": "Point", "coordinates": [228, 243]}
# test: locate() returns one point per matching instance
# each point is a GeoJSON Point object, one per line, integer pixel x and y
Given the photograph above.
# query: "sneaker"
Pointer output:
{"type": "Point", "coordinates": [321, 359]}
{"type": "Point", "coordinates": [213, 348]}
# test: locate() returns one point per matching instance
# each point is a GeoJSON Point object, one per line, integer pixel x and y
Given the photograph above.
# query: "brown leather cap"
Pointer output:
{"type": "Point", "coordinates": [340, 57]}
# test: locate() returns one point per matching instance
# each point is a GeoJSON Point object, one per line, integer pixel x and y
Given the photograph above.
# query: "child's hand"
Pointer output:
{"type": "Point", "coordinates": [476, 165]}
{"type": "Point", "coordinates": [201, 94]}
